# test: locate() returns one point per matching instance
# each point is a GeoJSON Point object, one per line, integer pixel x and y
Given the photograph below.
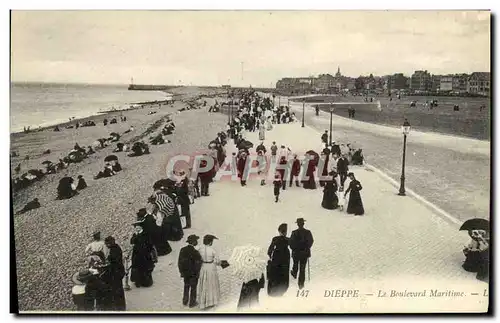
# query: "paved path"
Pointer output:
{"type": "Point", "coordinates": [398, 244]}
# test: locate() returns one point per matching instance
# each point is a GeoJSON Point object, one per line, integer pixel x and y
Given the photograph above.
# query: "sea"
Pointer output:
{"type": "Point", "coordinates": [46, 104]}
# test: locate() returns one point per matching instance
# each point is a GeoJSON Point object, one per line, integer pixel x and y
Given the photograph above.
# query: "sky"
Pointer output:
{"type": "Point", "coordinates": [242, 48]}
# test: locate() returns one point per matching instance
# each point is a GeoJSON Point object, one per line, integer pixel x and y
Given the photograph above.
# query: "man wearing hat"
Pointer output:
{"type": "Point", "coordinates": [324, 137]}
{"type": "Point", "coordinates": [189, 267]}
{"type": "Point", "coordinates": [301, 242]}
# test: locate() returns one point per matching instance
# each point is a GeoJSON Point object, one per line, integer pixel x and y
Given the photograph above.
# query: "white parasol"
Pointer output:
{"type": "Point", "coordinates": [247, 263]}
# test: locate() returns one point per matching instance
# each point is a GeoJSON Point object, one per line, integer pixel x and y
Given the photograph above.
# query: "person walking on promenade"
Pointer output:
{"type": "Point", "coordinates": [116, 272]}
{"type": "Point", "coordinates": [261, 164]}
{"type": "Point", "coordinates": [208, 283]}
{"type": "Point", "coordinates": [142, 258]}
{"type": "Point", "coordinates": [301, 242]}
{"type": "Point", "coordinates": [277, 184]}
{"type": "Point", "coordinates": [355, 205]}
{"type": "Point", "coordinates": [162, 247]}
{"type": "Point", "coordinates": [189, 267]}
{"type": "Point", "coordinates": [279, 264]}
{"type": "Point", "coordinates": [294, 174]}
{"type": "Point", "coordinates": [324, 137]}
{"type": "Point", "coordinates": [274, 151]}
{"type": "Point", "coordinates": [262, 133]}
{"type": "Point", "coordinates": [261, 147]}
{"type": "Point", "coordinates": [283, 171]}
{"type": "Point", "coordinates": [182, 190]}
{"type": "Point", "coordinates": [241, 166]}
{"type": "Point", "coordinates": [205, 177]}
{"type": "Point", "coordinates": [342, 169]}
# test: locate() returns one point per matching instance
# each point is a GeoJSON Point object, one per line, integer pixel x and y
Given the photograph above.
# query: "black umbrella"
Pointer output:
{"type": "Point", "coordinates": [114, 134]}
{"type": "Point", "coordinates": [110, 158]}
{"type": "Point", "coordinates": [245, 144]}
{"type": "Point", "coordinates": [476, 224]}
{"type": "Point", "coordinates": [48, 162]}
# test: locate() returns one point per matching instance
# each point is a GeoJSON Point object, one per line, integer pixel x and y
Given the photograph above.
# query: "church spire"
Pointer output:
{"type": "Point", "coordinates": [338, 72]}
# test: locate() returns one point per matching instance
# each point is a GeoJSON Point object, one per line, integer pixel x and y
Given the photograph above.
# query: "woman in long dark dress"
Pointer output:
{"type": "Point", "coordinates": [278, 273]}
{"type": "Point", "coordinates": [355, 205]}
{"type": "Point", "coordinates": [310, 182]}
{"type": "Point", "coordinates": [330, 199]}
{"type": "Point", "coordinates": [142, 258]}
{"type": "Point", "coordinates": [154, 232]}
{"type": "Point", "coordinates": [182, 191]}
{"type": "Point", "coordinates": [249, 295]}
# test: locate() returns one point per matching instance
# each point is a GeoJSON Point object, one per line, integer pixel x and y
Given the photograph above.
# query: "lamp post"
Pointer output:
{"type": "Point", "coordinates": [331, 122]}
{"type": "Point", "coordinates": [406, 130]}
{"type": "Point", "coordinates": [303, 112]}
{"type": "Point", "coordinates": [231, 111]}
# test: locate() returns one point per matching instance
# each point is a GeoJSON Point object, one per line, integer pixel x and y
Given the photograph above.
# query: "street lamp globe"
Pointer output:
{"type": "Point", "coordinates": [406, 128]}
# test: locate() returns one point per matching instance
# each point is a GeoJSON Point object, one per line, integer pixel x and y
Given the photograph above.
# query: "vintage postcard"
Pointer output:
{"type": "Point", "coordinates": [251, 161]}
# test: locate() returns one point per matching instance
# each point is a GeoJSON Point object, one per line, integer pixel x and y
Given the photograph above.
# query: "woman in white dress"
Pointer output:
{"type": "Point", "coordinates": [208, 283]}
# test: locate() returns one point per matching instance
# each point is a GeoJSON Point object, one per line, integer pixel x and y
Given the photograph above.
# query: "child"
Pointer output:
{"type": "Point", "coordinates": [277, 185]}
{"type": "Point", "coordinates": [342, 202]}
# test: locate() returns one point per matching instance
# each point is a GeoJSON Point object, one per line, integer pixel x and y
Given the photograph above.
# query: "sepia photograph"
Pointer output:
{"type": "Point", "coordinates": [250, 161]}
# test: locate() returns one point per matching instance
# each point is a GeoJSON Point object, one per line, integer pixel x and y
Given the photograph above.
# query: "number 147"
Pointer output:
{"type": "Point", "coordinates": [302, 293]}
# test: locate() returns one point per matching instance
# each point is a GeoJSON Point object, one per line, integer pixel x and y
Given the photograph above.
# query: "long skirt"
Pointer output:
{"type": "Point", "coordinates": [330, 200]}
{"type": "Point", "coordinates": [262, 134]}
{"type": "Point", "coordinates": [142, 277]}
{"type": "Point", "coordinates": [309, 184]}
{"type": "Point", "coordinates": [208, 286]}
{"type": "Point", "coordinates": [355, 205]}
{"type": "Point", "coordinates": [172, 228]}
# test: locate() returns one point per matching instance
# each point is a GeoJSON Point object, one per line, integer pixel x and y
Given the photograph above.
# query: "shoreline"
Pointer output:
{"type": "Point", "coordinates": [102, 114]}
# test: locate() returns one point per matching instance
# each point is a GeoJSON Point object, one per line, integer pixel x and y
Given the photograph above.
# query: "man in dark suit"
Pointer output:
{"type": "Point", "coordinates": [189, 266]}
{"type": "Point", "coordinates": [342, 169]}
{"type": "Point", "coordinates": [324, 137]}
{"type": "Point", "coordinates": [205, 176]}
{"type": "Point", "coordinates": [301, 242]}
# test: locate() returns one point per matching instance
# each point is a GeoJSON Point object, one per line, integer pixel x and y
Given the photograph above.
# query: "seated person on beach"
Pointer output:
{"type": "Point", "coordinates": [158, 140]}
{"type": "Point", "coordinates": [477, 254]}
{"type": "Point", "coordinates": [66, 189]}
{"type": "Point", "coordinates": [29, 206]}
{"type": "Point", "coordinates": [116, 166]}
{"type": "Point", "coordinates": [119, 147]}
{"type": "Point", "coordinates": [129, 130]}
{"type": "Point", "coordinates": [76, 156]}
{"type": "Point", "coordinates": [90, 150]}
{"type": "Point", "coordinates": [105, 122]}
{"type": "Point", "coordinates": [113, 121]}
{"type": "Point", "coordinates": [139, 149]}
{"type": "Point", "coordinates": [81, 183]}
{"type": "Point", "coordinates": [107, 172]}
{"type": "Point", "coordinates": [57, 128]}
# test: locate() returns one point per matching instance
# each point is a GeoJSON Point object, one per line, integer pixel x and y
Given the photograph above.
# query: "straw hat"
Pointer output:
{"type": "Point", "coordinates": [81, 277]}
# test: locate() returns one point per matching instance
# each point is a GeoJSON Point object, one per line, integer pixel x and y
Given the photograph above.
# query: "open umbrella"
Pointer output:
{"type": "Point", "coordinates": [245, 144]}
{"type": "Point", "coordinates": [314, 155]}
{"type": "Point", "coordinates": [110, 158]}
{"type": "Point", "coordinates": [476, 224]}
{"type": "Point", "coordinates": [47, 162]}
{"type": "Point", "coordinates": [163, 183]}
{"type": "Point", "coordinates": [247, 263]}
